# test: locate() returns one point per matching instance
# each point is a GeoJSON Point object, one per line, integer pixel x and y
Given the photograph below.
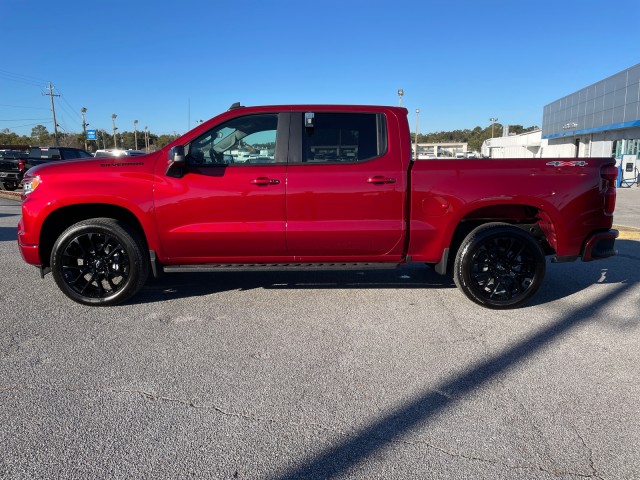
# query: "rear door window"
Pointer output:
{"type": "Point", "coordinates": [343, 137]}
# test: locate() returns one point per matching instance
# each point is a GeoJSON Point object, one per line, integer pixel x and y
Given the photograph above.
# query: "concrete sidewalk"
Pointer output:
{"type": "Point", "coordinates": [627, 213]}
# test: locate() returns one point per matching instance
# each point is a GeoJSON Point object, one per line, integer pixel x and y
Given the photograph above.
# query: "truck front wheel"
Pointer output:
{"type": "Point", "coordinates": [99, 262]}
{"type": "Point", "coordinates": [8, 185]}
{"type": "Point", "coordinates": [499, 266]}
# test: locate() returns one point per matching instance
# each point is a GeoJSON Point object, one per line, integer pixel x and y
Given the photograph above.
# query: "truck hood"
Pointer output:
{"type": "Point", "coordinates": [97, 166]}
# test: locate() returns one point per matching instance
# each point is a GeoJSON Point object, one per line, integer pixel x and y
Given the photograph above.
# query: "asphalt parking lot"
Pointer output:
{"type": "Point", "coordinates": [377, 374]}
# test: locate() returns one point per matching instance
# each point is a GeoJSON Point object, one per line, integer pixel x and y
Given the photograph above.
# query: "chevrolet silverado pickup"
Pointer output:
{"type": "Point", "coordinates": [312, 186]}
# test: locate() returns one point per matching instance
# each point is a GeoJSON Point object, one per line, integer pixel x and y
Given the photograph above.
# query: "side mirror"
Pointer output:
{"type": "Point", "coordinates": [176, 162]}
{"type": "Point", "coordinates": [176, 154]}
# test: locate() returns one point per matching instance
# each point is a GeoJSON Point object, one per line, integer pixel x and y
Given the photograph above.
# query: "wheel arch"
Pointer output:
{"type": "Point", "coordinates": [59, 220]}
{"type": "Point", "coordinates": [537, 221]}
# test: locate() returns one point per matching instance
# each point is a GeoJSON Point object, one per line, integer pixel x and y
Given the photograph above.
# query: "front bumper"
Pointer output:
{"type": "Point", "coordinates": [10, 176]}
{"type": "Point", "coordinates": [30, 253]}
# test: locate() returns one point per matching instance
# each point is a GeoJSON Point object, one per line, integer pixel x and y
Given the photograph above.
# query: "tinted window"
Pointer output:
{"type": "Point", "coordinates": [344, 137]}
{"type": "Point", "coordinates": [53, 153]}
{"type": "Point", "coordinates": [243, 140]}
{"type": "Point", "coordinates": [81, 154]}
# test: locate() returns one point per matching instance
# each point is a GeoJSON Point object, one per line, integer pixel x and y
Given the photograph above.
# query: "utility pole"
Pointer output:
{"type": "Point", "coordinates": [135, 132]}
{"type": "Point", "coordinates": [53, 111]}
{"type": "Point", "coordinates": [84, 127]}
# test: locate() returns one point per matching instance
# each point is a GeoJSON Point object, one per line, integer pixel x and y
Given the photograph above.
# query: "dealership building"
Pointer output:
{"type": "Point", "coordinates": [601, 120]}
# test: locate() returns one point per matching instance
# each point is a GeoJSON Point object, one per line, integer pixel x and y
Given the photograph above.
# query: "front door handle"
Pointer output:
{"type": "Point", "coordinates": [263, 181]}
{"type": "Point", "coordinates": [380, 180]}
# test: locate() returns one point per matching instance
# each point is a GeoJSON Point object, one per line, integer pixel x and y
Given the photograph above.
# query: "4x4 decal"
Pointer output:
{"type": "Point", "coordinates": [573, 163]}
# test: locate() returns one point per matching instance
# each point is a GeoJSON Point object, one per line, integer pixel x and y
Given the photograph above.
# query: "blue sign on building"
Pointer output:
{"type": "Point", "coordinates": [92, 135]}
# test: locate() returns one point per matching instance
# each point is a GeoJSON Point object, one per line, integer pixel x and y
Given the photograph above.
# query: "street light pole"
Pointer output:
{"type": "Point", "coordinates": [146, 138]}
{"type": "Point", "coordinates": [135, 132]}
{"type": "Point", "coordinates": [417, 113]}
{"type": "Point", "coordinates": [493, 122]}
{"type": "Point", "coordinates": [84, 127]}
{"type": "Point", "coordinates": [113, 121]}
{"type": "Point", "coordinates": [400, 94]}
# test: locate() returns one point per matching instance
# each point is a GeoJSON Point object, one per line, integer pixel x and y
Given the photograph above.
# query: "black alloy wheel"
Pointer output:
{"type": "Point", "coordinates": [499, 266]}
{"type": "Point", "coordinates": [99, 262]}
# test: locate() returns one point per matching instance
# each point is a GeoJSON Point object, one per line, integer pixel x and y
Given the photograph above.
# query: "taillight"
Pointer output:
{"type": "Point", "coordinates": [609, 174]}
{"type": "Point", "coordinates": [21, 165]}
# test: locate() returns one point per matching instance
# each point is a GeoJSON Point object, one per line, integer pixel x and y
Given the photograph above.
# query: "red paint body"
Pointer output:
{"type": "Point", "coordinates": [387, 209]}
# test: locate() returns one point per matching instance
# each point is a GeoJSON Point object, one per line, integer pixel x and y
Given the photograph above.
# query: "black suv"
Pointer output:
{"type": "Point", "coordinates": [14, 165]}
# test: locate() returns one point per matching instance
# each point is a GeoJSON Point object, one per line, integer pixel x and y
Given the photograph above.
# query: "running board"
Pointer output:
{"type": "Point", "coordinates": [276, 267]}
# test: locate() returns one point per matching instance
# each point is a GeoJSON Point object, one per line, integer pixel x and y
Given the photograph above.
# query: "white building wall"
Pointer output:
{"type": "Point", "coordinates": [531, 145]}
{"type": "Point", "coordinates": [525, 145]}
{"type": "Point", "coordinates": [559, 148]}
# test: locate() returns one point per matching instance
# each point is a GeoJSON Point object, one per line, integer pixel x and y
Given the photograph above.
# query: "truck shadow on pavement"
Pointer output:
{"type": "Point", "coordinates": [8, 234]}
{"type": "Point", "coordinates": [183, 285]}
{"type": "Point", "coordinates": [561, 280]}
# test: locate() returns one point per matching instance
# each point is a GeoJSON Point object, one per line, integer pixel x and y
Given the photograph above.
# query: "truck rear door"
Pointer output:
{"type": "Point", "coordinates": [345, 188]}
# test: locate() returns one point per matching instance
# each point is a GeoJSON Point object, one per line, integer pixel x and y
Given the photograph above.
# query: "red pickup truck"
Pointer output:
{"type": "Point", "coordinates": [312, 186]}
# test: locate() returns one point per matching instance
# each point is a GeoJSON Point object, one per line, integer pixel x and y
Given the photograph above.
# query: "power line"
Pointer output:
{"type": "Point", "coordinates": [30, 124]}
{"type": "Point", "coordinates": [74, 110]}
{"type": "Point", "coordinates": [21, 106]}
{"type": "Point", "coordinates": [20, 78]}
{"type": "Point", "coordinates": [18, 119]}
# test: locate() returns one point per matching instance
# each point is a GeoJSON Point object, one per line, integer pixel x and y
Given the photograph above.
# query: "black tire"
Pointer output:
{"type": "Point", "coordinates": [499, 266]}
{"type": "Point", "coordinates": [99, 261]}
{"type": "Point", "coordinates": [9, 186]}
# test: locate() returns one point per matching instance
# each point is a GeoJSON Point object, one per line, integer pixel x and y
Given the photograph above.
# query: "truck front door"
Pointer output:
{"type": "Point", "coordinates": [229, 206]}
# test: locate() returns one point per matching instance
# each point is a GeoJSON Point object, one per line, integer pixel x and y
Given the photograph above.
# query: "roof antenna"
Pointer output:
{"type": "Point", "coordinates": [235, 105]}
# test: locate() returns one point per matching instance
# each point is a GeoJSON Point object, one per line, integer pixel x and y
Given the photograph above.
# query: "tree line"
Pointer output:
{"type": "Point", "coordinates": [473, 138]}
{"type": "Point", "coordinates": [40, 136]}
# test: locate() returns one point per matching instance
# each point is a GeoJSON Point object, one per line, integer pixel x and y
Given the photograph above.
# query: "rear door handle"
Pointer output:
{"type": "Point", "coordinates": [380, 180]}
{"type": "Point", "coordinates": [263, 181]}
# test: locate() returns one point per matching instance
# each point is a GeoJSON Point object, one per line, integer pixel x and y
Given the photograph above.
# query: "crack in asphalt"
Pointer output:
{"type": "Point", "coordinates": [590, 451]}
{"type": "Point", "coordinates": [191, 403]}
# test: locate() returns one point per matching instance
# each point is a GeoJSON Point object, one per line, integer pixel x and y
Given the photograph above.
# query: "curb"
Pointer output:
{"type": "Point", "coordinates": [11, 195]}
{"type": "Point", "coordinates": [627, 233]}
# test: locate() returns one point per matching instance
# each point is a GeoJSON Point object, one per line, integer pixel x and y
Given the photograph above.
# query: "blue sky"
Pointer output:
{"type": "Point", "coordinates": [169, 64]}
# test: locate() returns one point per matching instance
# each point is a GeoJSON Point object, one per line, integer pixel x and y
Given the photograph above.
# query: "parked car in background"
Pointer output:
{"type": "Point", "coordinates": [115, 152]}
{"type": "Point", "coordinates": [11, 155]}
{"type": "Point", "coordinates": [16, 162]}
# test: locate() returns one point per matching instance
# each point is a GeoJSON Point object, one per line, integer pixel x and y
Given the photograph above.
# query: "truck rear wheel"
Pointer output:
{"type": "Point", "coordinates": [499, 266]}
{"type": "Point", "coordinates": [99, 262]}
